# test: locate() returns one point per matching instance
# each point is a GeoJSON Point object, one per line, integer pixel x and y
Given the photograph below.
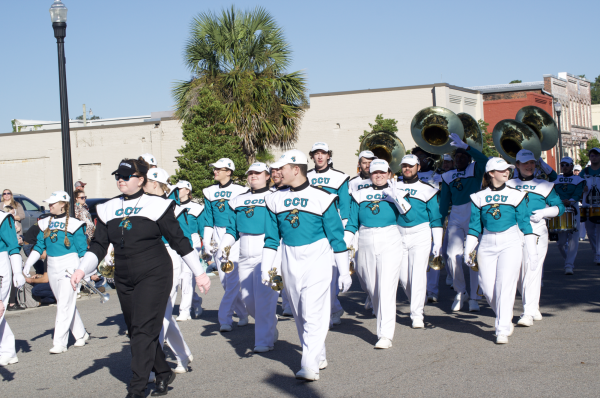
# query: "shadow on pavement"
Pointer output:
{"type": "Point", "coordinates": [116, 362]}
{"type": "Point", "coordinates": [289, 386]}
{"type": "Point", "coordinates": [118, 320]}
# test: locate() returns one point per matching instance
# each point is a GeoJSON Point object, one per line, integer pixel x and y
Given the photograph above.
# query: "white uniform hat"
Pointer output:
{"type": "Point", "coordinates": [150, 159]}
{"type": "Point", "coordinates": [159, 175]}
{"type": "Point", "coordinates": [448, 157]}
{"type": "Point", "coordinates": [577, 167]}
{"type": "Point", "coordinates": [366, 155]}
{"type": "Point", "coordinates": [223, 163]}
{"type": "Point", "coordinates": [258, 166]}
{"type": "Point", "coordinates": [567, 159]}
{"type": "Point", "coordinates": [379, 165]}
{"type": "Point", "coordinates": [58, 196]}
{"type": "Point", "coordinates": [183, 184]}
{"type": "Point", "coordinates": [276, 165]}
{"type": "Point", "coordinates": [292, 157]}
{"type": "Point", "coordinates": [525, 155]}
{"type": "Point", "coordinates": [320, 145]}
{"type": "Point", "coordinates": [410, 159]}
{"type": "Point", "coordinates": [497, 164]}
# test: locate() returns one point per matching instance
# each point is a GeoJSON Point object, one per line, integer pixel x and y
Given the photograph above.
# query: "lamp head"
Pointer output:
{"type": "Point", "coordinates": [58, 12]}
{"type": "Point", "coordinates": [557, 107]}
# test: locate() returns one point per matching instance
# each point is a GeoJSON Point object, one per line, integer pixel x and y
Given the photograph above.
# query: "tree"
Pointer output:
{"type": "Point", "coordinates": [596, 91]}
{"type": "Point", "coordinates": [208, 138]}
{"type": "Point", "coordinates": [389, 126]}
{"type": "Point", "coordinates": [583, 155]}
{"type": "Point", "coordinates": [488, 142]}
{"type": "Point", "coordinates": [80, 117]}
{"type": "Point", "coordinates": [516, 81]}
{"type": "Point", "coordinates": [242, 57]}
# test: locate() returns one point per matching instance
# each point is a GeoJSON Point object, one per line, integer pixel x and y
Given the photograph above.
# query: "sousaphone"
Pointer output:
{"type": "Point", "coordinates": [431, 128]}
{"type": "Point", "coordinates": [511, 136]}
{"type": "Point", "coordinates": [385, 146]}
{"type": "Point", "coordinates": [473, 134]}
{"type": "Point", "coordinates": [541, 123]}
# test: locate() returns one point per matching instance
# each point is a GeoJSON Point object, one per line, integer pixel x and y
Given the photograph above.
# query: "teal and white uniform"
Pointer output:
{"type": "Point", "coordinates": [305, 221]}
{"type": "Point", "coordinates": [502, 216]}
{"type": "Point", "coordinates": [457, 186]}
{"type": "Point", "coordinates": [217, 214]}
{"type": "Point", "coordinates": [541, 194]}
{"type": "Point", "coordinates": [247, 224]}
{"type": "Point", "coordinates": [433, 178]}
{"type": "Point", "coordinates": [570, 188]}
{"type": "Point", "coordinates": [416, 228]}
{"type": "Point", "coordinates": [357, 183]}
{"type": "Point", "coordinates": [591, 198]}
{"type": "Point", "coordinates": [61, 258]}
{"type": "Point", "coordinates": [9, 246]}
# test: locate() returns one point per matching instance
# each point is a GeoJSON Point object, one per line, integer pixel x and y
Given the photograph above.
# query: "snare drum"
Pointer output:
{"type": "Point", "coordinates": [564, 223]}
{"type": "Point", "coordinates": [583, 214]}
{"type": "Point", "coordinates": [594, 214]}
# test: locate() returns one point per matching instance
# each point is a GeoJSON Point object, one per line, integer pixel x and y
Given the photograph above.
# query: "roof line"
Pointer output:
{"type": "Point", "coordinates": [77, 128]}
{"type": "Point", "coordinates": [379, 90]}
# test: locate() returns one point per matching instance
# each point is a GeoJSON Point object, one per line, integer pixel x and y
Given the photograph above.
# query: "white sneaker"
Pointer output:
{"type": "Point", "coordinates": [260, 348]}
{"type": "Point", "coordinates": [336, 317]}
{"type": "Point", "coordinates": [8, 360]}
{"type": "Point", "coordinates": [323, 364]}
{"type": "Point", "coordinates": [287, 312]}
{"type": "Point", "coordinates": [449, 280]}
{"type": "Point", "coordinates": [473, 306]}
{"type": "Point", "coordinates": [58, 349]}
{"type": "Point", "coordinates": [276, 337]}
{"type": "Point", "coordinates": [432, 298]}
{"type": "Point", "coordinates": [383, 343]}
{"type": "Point", "coordinates": [368, 303]}
{"type": "Point", "coordinates": [418, 324]}
{"type": "Point", "coordinates": [502, 339]}
{"type": "Point", "coordinates": [526, 320]}
{"type": "Point", "coordinates": [537, 316]}
{"type": "Point", "coordinates": [81, 342]}
{"type": "Point", "coordinates": [181, 368]}
{"type": "Point", "coordinates": [568, 270]}
{"type": "Point", "coordinates": [198, 309]}
{"type": "Point", "coordinates": [243, 321]}
{"type": "Point", "coordinates": [225, 328]}
{"type": "Point", "coordinates": [307, 374]}
{"type": "Point", "coordinates": [512, 329]}
{"type": "Point", "coordinates": [190, 358]}
{"type": "Point", "coordinates": [459, 301]}
{"type": "Point", "coordinates": [183, 318]}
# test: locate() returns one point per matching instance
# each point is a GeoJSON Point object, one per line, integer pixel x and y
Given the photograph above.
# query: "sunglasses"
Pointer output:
{"type": "Point", "coordinates": [124, 178]}
{"type": "Point", "coordinates": [5, 193]}
{"type": "Point", "coordinates": [565, 164]}
{"type": "Point", "coordinates": [82, 197]}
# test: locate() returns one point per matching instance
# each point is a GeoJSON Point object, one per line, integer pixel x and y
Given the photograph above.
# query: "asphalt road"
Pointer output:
{"type": "Point", "coordinates": [454, 356]}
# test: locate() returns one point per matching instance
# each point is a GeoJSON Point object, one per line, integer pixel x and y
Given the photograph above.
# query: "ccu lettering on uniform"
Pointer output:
{"type": "Point", "coordinates": [295, 202]}
{"type": "Point", "coordinates": [526, 187]}
{"type": "Point", "coordinates": [56, 225]}
{"type": "Point", "coordinates": [320, 180]}
{"type": "Point", "coordinates": [254, 202]}
{"type": "Point", "coordinates": [411, 192]}
{"type": "Point", "coordinates": [223, 194]}
{"type": "Point", "coordinates": [128, 211]}
{"type": "Point", "coordinates": [496, 198]}
{"type": "Point", "coordinates": [377, 196]}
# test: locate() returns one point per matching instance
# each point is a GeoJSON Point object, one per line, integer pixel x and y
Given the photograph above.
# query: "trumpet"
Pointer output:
{"type": "Point", "coordinates": [352, 252]}
{"type": "Point", "coordinates": [473, 256]}
{"type": "Point", "coordinates": [107, 271]}
{"type": "Point", "coordinates": [276, 280]}
{"type": "Point", "coordinates": [227, 265]}
{"type": "Point", "coordinates": [104, 297]}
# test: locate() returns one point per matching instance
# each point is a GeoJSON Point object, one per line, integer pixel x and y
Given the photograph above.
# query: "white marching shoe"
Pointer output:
{"type": "Point", "coordinates": [182, 367]}
{"type": "Point", "coordinates": [383, 343]}
{"type": "Point", "coordinates": [287, 312]}
{"type": "Point", "coordinates": [243, 321]}
{"type": "Point", "coordinates": [368, 303]}
{"type": "Point", "coordinates": [81, 342]}
{"type": "Point", "coordinates": [323, 364]}
{"type": "Point", "coordinates": [336, 317]}
{"type": "Point", "coordinates": [473, 306]}
{"type": "Point", "coordinates": [58, 349]}
{"type": "Point", "coordinates": [537, 316]}
{"type": "Point", "coordinates": [183, 317]}
{"type": "Point", "coordinates": [526, 320]}
{"type": "Point", "coordinates": [512, 329]}
{"type": "Point", "coordinates": [459, 301]}
{"type": "Point", "coordinates": [307, 374]}
{"type": "Point", "coordinates": [418, 324]}
{"type": "Point", "coordinates": [502, 339]}
{"type": "Point", "coordinates": [260, 348]}
{"type": "Point", "coordinates": [449, 280]}
{"type": "Point", "coordinates": [8, 360]}
{"type": "Point", "coordinates": [432, 298]}
{"type": "Point", "coordinates": [225, 328]}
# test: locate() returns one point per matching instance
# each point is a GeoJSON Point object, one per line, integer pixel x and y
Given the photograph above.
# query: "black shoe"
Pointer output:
{"type": "Point", "coordinates": [162, 386]}
{"type": "Point", "coordinates": [15, 307]}
{"type": "Point", "coordinates": [132, 395]}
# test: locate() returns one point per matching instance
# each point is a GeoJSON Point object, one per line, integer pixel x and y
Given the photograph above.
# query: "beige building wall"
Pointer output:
{"type": "Point", "coordinates": [596, 119]}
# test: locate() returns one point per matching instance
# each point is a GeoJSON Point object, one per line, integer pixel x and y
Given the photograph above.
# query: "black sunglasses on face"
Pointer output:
{"type": "Point", "coordinates": [82, 197]}
{"type": "Point", "coordinates": [6, 193]}
{"type": "Point", "coordinates": [124, 178]}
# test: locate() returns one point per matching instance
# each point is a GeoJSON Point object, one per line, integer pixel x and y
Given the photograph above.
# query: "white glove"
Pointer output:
{"type": "Point", "coordinates": [344, 283]}
{"type": "Point", "coordinates": [348, 238]}
{"type": "Point", "coordinates": [391, 189]}
{"type": "Point", "coordinates": [548, 212]}
{"type": "Point", "coordinates": [531, 246]}
{"type": "Point", "coordinates": [342, 261]}
{"type": "Point", "coordinates": [196, 241]}
{"type": "Point", "coordinates": [470, 245]}
{"type": "Point", "coordinates": [397, 198]}
{"type": "Point", "coordinates": [33, 258]}
{"type": "Point", "coordinates": [344, 222]}
{"type": "Point", "coordinates": [16, 262]}
{"type": "Point", "coordinates": [227, 240]}
{"type": "Point", "coordinates": [268, 261]}
{"type": "Point", "coordinates": [208, 233]}
{"type": "Point", "coordinates": [87, 264]}
{"type": "Point", "coordinates": [193, 261]}
{"type": "Point", "coordinates": [457, 142]}
{"type": "Point", "coordinates": [437, 234]}
{"type": "Point", "coordinates": [545, 167]}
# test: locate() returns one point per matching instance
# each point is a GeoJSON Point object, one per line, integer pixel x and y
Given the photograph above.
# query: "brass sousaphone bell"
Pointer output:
{"type": "Point", "coordinates": [431, 128]}
{"type": "Point", "coordinates": [385, 146]}
{"type": "Point", "coordinates": [473, 134]}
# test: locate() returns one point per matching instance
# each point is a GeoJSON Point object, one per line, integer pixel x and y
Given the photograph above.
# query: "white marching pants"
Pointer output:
{"type": "Point", "coordinates": [188, 290]}
{"type": "Point", "coordinates": [582, 229]}
{"type": "Point", "coordinates": [499, 257]}
{"type": "Point", "coordinates": [307, 278]}
{"type": "Point", "coordinates": [458, 228]}
{"type": "Point", "coordinates": [530, 282]}
{"type": "Point", "coordinates": [67, 316]}
{"type": "Point", "coordinates": [334, 290]}
{"type": "Point", "coordinates": [260, 300]}
{"type": "Point", "coordinates": [285, 300]}
{"type": "Point", "coordinates": [379, 260]}
{"type": "Point", "coordinates": [170, 330]}
{"type": "Point", "coordinates": [7, 338]}
{"type": "Point", "coordinates": [416, 246]}
{"type": "Point", "coordinates": [232, 297]}
{"type": "Point", "coordinates": [568, 243]}
{"type": "Point", "coordinates": [593, 235]}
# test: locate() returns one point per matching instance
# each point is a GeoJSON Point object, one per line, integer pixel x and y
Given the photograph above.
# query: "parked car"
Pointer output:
{"type": "Point", "coordinates": [92, 203]}
{"type": "Point", "coordinates": [32, 211]}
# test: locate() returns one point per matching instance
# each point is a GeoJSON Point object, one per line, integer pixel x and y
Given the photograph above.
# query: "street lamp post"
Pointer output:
{"type": "Point", "coordinates": [558, 110]}
{"type": "Point", "coordinates": [58, 14]}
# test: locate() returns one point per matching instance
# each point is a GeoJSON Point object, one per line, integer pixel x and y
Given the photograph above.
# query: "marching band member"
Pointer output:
{"type": "Point", "coordinates": [247, 223]}
{"type": "Point", "coordinates": [326, 177]}
{"type": "Point", "coordinates": [195, 221]}
{"type": "Point", "coordinates": [65, 243]}
{"type": "Point", "coordinates": [158, 186]}
{"type": "Point", "coordinates": [428, 172]}
{"type": "Point", "coordinates": [150, 159]}
{"type": "Point", "coordinates": [591, 174]}
{"type": "Point", "coordinates": [577, 169]}
{"type": "Point", "coordinates": [422, 222]}
{"type": "Point", "coordinates": [582, 230]}
{"type": "Point", "coordinates": [135, 224]}
{"type": "Point", "coordinates": [306, 222]}
{"type": "Point", "coordinates": [379, 246]}
{"type": "Point", "coordinates": [499, 212]}
{"type": "Point", "coordinates": [457, 186]}
{"type": "Point", "coordinates": [544, 203]}
{"type": "Point", "coordinates": [11, 270]}
{"type": "Point", "coordinates": [216, 218]}
{"type": "Point", "coordinates": [569, 188]}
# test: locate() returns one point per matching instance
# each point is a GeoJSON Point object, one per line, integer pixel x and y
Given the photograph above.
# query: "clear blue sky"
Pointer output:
{"type": "Point", "coordinates": [123, 61]}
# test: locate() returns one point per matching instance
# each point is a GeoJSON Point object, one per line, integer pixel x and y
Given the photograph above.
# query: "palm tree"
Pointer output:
{"type": "Point", "coordinates": [242, 57]}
